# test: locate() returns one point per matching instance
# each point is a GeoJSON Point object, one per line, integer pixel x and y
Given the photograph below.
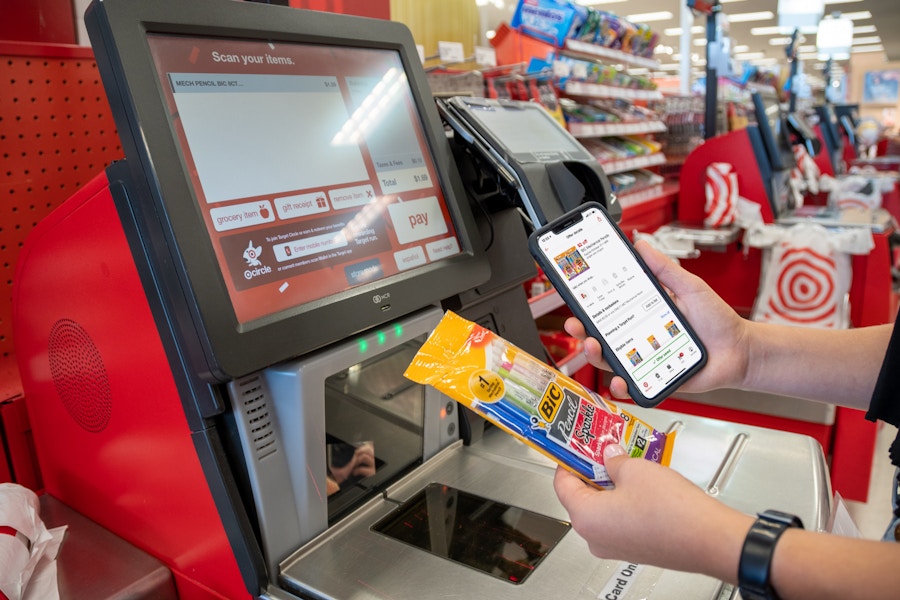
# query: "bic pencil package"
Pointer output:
{"type": "Point", "coordinates": [549, 411]}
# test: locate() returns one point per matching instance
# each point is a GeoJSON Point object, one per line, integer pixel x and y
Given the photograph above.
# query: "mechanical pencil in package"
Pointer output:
{"type": "Point", "coordinates": [552, 413]}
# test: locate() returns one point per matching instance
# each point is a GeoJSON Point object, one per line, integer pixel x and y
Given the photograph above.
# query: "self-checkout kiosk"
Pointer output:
{"type": "Point", "coordinates": [212, 333]}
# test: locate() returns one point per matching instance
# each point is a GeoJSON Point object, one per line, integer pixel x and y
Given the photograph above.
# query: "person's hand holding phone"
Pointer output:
{"type": "Point", "coordinates": [646, 340]}
{"type": "Point", "coordinates": [718, 326]}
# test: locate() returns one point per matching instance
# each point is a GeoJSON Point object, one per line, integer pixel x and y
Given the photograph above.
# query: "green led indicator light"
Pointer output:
{"type": "Point", "coordinates": [381, 338]}
{"type": "Point", "coordinates": [398, 330]}
{"type": "Point", "coordinates": [363, 346]}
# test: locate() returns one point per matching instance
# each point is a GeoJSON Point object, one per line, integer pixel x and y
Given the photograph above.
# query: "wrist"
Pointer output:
{"type": "Point", "coordinates": [756, 351]}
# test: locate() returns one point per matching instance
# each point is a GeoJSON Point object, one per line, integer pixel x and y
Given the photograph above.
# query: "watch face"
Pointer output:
{"type": "Point", "coordinates": [783, 518]}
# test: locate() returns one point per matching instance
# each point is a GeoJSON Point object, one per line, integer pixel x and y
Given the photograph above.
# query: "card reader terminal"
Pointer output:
{"type": "Point", "coordinates": [550, 171]}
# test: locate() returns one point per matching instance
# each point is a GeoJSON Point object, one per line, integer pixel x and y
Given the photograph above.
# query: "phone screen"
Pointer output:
{"type": "Point", "coordinates": [626, 308]}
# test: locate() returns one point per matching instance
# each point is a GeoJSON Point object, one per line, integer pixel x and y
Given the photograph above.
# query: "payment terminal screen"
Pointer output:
{"type": "Point", "coordinates": [527, 132]}
{"type": "Point", "coordinates": [625, 306]}
{"type": "Point", "coordinates": [308, 163]}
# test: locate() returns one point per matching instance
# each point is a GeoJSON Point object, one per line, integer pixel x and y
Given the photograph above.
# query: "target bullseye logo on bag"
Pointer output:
{"type": "Point", "coordinates": [807, 274]}
{"type": "Point", "coordinates": [802, 287]}
{"type": "Point", "coordinates": [805, 288]}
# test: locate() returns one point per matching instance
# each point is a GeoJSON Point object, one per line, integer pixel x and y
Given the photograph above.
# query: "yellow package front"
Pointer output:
{"type": "Point", "coordinates": [549, 411]}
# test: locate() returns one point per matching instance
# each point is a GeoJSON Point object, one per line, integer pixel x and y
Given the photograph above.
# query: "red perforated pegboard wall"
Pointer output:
{"type": "Point", "coordinates": [56, 133]}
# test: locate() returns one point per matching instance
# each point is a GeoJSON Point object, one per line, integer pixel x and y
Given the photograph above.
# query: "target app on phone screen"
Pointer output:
{"type": "Point", "coordinates": [625, 306]}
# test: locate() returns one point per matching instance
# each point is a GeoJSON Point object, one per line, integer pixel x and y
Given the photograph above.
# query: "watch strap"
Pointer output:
{"type": "Point", "coordinates": [754, 568]}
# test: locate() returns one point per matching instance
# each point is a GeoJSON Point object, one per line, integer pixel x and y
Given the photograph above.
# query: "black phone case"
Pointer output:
{"type": "Point", "coordinates": [618, 368]}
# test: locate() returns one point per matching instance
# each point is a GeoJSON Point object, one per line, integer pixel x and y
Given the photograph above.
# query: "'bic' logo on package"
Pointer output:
{"type": "Point", "coordinates": [551, 401]}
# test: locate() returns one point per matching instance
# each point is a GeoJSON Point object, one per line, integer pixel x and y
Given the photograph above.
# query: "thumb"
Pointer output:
{"type": "Point", "coordinates": [614, 456]}
{"type": "Point", "coordinates": [664, 268]}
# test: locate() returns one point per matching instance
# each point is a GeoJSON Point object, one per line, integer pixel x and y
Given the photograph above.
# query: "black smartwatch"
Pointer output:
{"type": "Point", "coordinates": [756, 555]}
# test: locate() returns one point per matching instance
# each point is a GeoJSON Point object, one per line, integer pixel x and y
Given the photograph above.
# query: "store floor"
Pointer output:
{"type": "Point", "coordinates": [872, 517]}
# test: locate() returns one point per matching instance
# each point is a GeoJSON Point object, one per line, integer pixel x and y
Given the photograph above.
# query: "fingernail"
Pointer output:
{"type": "Point", "coordinates": [613, 450]}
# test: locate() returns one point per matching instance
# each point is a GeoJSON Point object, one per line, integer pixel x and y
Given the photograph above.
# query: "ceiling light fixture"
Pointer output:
{"type": "Point", "coordinates": [866, 41]}
{"type": "Point", "coordinates": [864, 29]}
{"type": "Point", "coordinates": [749, 55]}
{"type": "Point", "coordinates": [857, 16]}
{"type": "Point", "coordinates": [677, 30]}
{"type": "Point", "coordinates": [859, 49]}
{"type": "Point", "coordinates": [662, 15]}
{"type": "Point", "coordinates": [767, 30]}
{"type": "Point", "coordinates": [764, 15]}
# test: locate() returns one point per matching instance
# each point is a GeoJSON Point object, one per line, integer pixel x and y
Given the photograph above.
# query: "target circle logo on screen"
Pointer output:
{"type": "Point", "coordinates": [805, 287]}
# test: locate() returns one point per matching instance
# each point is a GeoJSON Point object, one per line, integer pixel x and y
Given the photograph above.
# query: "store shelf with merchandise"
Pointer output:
{"type": "Point", "coordinates": [595, 77]}
{"type": "Point", "coordinates": [606, 109]}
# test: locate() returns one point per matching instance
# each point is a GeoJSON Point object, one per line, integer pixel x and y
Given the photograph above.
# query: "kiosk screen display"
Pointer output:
{"type": "Point", "coordinates": [308, 164]}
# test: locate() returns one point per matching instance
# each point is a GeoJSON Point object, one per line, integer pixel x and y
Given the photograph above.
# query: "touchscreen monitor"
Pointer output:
{"type": "Point", "coordinates": [308, 165]}
{"type": "Point", "coordinates": [287, 178]}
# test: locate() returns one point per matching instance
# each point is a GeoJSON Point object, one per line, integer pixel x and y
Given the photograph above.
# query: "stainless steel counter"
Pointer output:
{"type": "Point", "coordinates": [95, 564]}
{"type": "Point", "coordinates": [749, 468]}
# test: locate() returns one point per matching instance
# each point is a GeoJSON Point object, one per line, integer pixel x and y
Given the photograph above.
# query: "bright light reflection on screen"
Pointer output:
{"type": "Point", "coordinates": [259, 152]}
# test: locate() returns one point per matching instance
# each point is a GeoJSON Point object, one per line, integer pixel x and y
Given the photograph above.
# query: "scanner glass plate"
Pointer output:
{"type": "Point", "coordinates": [504, 541]}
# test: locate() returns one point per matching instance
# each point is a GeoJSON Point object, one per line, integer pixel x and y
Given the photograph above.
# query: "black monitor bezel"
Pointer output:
{"type": "Point", "coordinates": [185, 262]}
{"type": "Point", "coordinates": [828, 124]}
{"type": "Point", "coordinates": [777, 143]}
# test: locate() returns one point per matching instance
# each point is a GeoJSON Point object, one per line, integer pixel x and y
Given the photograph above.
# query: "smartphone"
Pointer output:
{"type": "Point", "coordinates": [607, 285]}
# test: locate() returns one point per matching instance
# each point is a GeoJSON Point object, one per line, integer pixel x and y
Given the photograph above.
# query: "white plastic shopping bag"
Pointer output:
{"type": "Point", "coordinates": [807, 273]}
